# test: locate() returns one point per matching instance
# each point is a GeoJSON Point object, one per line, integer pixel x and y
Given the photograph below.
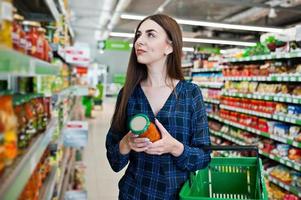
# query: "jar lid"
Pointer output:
{"type": "Point", "coordinates": [18, 17]}
{"type": "Point", "coordinates": [139, 124]}
{"type": "Point", "coordinates": [31, 23]}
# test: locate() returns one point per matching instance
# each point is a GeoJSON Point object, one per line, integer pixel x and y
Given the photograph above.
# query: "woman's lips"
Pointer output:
{"type": "Point", "coordinates": [140, 51]}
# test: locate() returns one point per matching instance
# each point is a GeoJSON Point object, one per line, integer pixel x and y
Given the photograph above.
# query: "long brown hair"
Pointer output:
{"type": "Point", "coordinates": [137, 72]}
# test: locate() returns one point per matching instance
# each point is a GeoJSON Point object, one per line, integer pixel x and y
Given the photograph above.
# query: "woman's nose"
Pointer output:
{"type": "Point", "coordinates": [140, 41]}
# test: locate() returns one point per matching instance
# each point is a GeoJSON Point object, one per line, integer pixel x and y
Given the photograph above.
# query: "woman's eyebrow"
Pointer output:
{"type": "Point", "coordinates": [149, 30]}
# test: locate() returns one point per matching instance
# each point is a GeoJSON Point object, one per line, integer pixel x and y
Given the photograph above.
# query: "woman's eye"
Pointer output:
{"type": "Point", "coordinates": [151, 35]}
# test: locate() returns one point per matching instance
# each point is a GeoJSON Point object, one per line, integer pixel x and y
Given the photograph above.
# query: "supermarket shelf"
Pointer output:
{"type": "Point", "coordinates": [227, 137]}
{"type": "Point", "coordinates": [49, 184]}
{"type": "Point", "coordinates": [279, 117]}
{"type": "Point", "coordinates": [14, 63]}
{"type": "Point", "coordinates": [214, 101]}
{"type": "Point", "coordinates": [272, 56]}
{"type": "Point", "coordinates": [289, 188]}
{"type": "Point", "coordinates": [285, 140]}
{"type": "Point", "coordinates": [215, 69]}
{"type": "Point", "coordinates": [13, 182]}
{"type": "Point", "coordinates": [210, 85]}
{"type": "Point", "coordinates": [275, 77]}
{"type": "Point", "coordinates": [281, 160]}
{"type": "Point", "coordinates": [274, 97]}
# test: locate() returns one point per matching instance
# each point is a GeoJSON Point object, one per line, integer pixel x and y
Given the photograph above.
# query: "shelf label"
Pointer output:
{"type": "Point", "coordinates": [279, 78]}
{"type": "Point", "coordinates": [293, 78]}
{"type": "Point", "coordinates": [33, 163]}
{"type": "Point", "coordinates": [272, 156]}
{"type": "Point", "coordinates": [75, 134]}
{"type": "Point", "coordinates": [296, 144]}
{"type": "Point", "coordinates": [289, 164]}
{"type": "Point", "coordinates": [295, 100]}
{"type": "Point", "coordinates": [286, 78]}
{"type": "Point", "coordinates": [281, 99]}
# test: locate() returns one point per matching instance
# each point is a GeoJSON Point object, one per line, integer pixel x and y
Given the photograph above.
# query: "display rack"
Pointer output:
{"type": "Point", "coordinates": [271, 56]}
{"type": "Point", "coordinates": [15, 178]}
{"type": "Point", "coordinates": [14, 63]}
{"type": "Point", "coordinates": [289, 188]}
{"type": "Point", "coordinates": [287, 78]}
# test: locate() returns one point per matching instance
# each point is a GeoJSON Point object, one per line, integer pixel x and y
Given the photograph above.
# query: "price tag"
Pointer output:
{"type": "Point", "coordinates": [289, 99]}
{"type": "Point", "coordinates": [281, 99]}
{"type": "Point", "coordinates": [296, 144]}
{"type": "Point", "coordinates": [272, 156]}
{"type": "Point", "coordinates": [281, 118]}
{"type": "Point", "coordinates": [293, 78]}
{"type": "Point", "coordinates": [266, 98]}
{"type": "Point", "coordinates": [289, 164]}
{"type": "Point", "coordinates": [295, 100]}
{"type": "Point", "coordinates": [282, 161]}
{"type": "Point", "coordinates": [33, 163]}
{"type": "Point", "coordinates": [279, 78]}
{"type": "Point", "coordinates": [249, 95]}
{"type": "Point", "coordinates": [276, 98]}
{"type": "Point", "coordinates": [292, 120]}
{"type": "Point", "coordinates": [286, 187]}
{"type": "Point", "coordinates": [285, 78]}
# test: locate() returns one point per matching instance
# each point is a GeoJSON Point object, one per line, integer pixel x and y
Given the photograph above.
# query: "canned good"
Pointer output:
{"type": "Point", "coordinates": [141, 125]}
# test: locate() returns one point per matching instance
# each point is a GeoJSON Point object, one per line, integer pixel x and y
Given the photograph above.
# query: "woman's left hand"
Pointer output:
{"type": "Point", "coordinates": [167, 144]}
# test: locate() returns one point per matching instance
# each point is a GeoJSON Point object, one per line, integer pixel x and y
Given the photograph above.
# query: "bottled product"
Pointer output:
{"type": "Point", "coordinates": [2, 149]}
{"type": "Point", "coordinates": [142, 126]}
{"type": "Point", "coordinates": [19, 108]}
{"type": "Point", "coordinates": [9, 121]}
{"type": "Point", "coordinates": [41, 54]}
{"type": "Point", "coordinates": [6, 23]}
{"type": "Point", "coordinates": [31, 30]}
{"type": "Point", "coordinates": [18, 35]}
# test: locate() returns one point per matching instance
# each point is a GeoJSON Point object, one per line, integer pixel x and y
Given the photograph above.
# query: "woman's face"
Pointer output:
{"type": "Point", "coordinates": [152, 44]}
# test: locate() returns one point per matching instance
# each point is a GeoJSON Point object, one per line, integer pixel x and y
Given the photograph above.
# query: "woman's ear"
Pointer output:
{"type": "Point", "coordinates": [168, 49]}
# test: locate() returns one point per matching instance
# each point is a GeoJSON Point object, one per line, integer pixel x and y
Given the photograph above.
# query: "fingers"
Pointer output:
{"type": "Point", "coordinates": [138, 144]}
{"type": "Point", "coordinates": [161, 127]}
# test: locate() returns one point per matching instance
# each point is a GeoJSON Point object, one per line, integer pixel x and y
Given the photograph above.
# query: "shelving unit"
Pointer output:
{"type": "Point", "coordinates": [272, 56]}
{"type": "Point", "coordinates": [284, 140]}
{"type": "Point", "coordinates": [278, 159]}
{"type": "Point", "coordinates": [268, 97]}
{"type": "Point", "coordinates": [293, 78]}
{"type": "Point", "coordinates": [14, 63]}
{"type": "Point", "coordinates": [270, 78]}
{"type": "Point", "coordinates": [278, 117]}
{"type": "Point", "coordinates": [292, 189]}
{"type": "Point", "coordinates": [15, 178]}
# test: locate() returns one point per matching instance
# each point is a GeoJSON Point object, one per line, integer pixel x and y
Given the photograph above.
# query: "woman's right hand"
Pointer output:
{"type": "Point", "coordinates": [132, 142]}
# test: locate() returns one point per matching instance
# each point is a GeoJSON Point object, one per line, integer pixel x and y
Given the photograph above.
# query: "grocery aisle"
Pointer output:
{"type": "Point", "coordinates": [101, 180]}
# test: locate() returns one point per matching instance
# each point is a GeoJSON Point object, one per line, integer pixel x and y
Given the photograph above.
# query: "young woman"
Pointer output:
{"type": "Point", "coordinates": [155, 86]}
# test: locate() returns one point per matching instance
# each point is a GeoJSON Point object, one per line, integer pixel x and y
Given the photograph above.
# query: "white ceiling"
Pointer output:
{"type": "Point", "coordinates": [90, 17]}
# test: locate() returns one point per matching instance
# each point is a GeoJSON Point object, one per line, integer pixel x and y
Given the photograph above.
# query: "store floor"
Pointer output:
{"type": "Point", "coordinates": [101, 180]}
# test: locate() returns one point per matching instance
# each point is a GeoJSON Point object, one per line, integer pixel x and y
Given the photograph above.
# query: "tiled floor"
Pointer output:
{"type": "Point", "coordinates": [101, 180]}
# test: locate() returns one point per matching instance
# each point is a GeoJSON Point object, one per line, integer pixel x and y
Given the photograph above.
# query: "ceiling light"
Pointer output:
{"type": "Point", "coordinates": [118, 34]}
{"type": "Point", "coordinates": [213, 24]}
{"type": "Point", "coordinates": [193, 40]}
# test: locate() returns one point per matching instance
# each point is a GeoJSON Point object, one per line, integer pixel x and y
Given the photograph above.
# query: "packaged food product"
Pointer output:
{"type": "Point", "coordinates": [281, 129]}
{"type": "Point", "coordinates": [2, 148]}
{"type": "Point", "coordinates": [6, 23]}
{"type": "Point", "coordinates": [9, 120]}
{"type": "Point", "coordinates": [19, 108]}
{"type": "Point", "coordinates": [31, 30]}
{"type": "Point", "coordinates": [294, 154]}
{"type": "Point", "coordinates": [141, 125]}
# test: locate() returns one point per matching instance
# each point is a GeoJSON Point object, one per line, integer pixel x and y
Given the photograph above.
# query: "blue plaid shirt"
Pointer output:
{"type": "Point", "coordinates": [150, 177]}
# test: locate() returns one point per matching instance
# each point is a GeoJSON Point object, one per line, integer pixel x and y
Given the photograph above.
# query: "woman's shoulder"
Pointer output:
{"type": "Point", "coordinates": [190, 87]}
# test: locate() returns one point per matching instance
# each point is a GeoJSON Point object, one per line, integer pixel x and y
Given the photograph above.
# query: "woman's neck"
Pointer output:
{"type": "Point", "coordinates": [156, 77]}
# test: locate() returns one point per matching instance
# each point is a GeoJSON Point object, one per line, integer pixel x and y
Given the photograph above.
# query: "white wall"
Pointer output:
{"type": "Point", "coordinates": [117, 61]}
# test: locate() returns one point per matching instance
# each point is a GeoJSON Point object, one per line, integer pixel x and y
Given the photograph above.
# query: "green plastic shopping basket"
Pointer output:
{"type": "Point", "coordinates": [227, 178]}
